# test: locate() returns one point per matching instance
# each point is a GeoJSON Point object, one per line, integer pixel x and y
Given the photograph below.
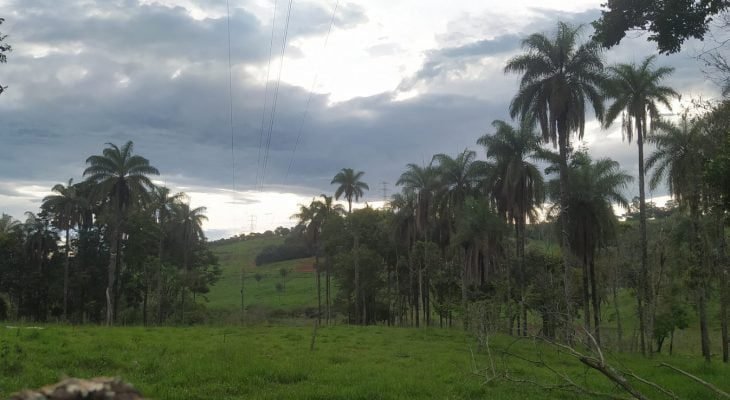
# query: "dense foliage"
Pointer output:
{"type": "Point", "coordinates": [113, 248]}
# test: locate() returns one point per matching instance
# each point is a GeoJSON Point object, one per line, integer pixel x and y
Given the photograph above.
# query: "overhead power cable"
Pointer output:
{"type": "Point", "coordinates": [311, 91]}
{"type": "Point", "coordinates": [266, 92]}
{"type": "Point", "coordinates": [276, 95]}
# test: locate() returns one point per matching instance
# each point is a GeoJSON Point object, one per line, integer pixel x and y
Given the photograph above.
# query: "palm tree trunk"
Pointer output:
{"type": "Point", "coordinates": [66, 267]}
{"type": "Point", "coordinates": [645, 284]}
{"type": "Point", "coordinates": [724, 287]}
{"type": "Point", "coordinates": [698, 262]}
{"type": "Point", "coordinates": [595, 300]}
{"type": "Point", "coordinates": [112, 271]}
{"type": "Point", "coordinates": [464, 303]}
{"type": "Point", "coordinates": [327, 288]}
{"type": "Point", "coordinates": [357, 278]}
{"type": "Point", "coordinates": [319, 287]}
{"type": "Point", "coordinates": [619, 328]}
{"type": "Point", "coordinates": [160, 248]}
{"type": "Point", "coordinates": [523, 274]}
{"type": "Point", "coordinates": [565, 241]}
{"type": "Point", "coordinates": [586, 296]}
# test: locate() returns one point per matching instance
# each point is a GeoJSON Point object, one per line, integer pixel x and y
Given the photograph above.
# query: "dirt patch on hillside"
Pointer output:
{"type": "Point", "coordinates": [304, 267]}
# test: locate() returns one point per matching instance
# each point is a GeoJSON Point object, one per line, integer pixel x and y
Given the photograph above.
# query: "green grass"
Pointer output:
{"type": "Point", "coordinates": [276, 362]}
{"type": "Point", "coordinates": [225, 295]}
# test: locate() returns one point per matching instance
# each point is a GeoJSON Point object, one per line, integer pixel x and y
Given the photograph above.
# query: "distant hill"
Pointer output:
{"type": "Point", "coordinates": [261, 297]}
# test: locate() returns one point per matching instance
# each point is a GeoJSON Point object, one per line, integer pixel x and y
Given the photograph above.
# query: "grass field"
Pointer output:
{"type": "Point", "coordinates": [299, 284]}
{"type": "Point", "coordinates": [275, 362]}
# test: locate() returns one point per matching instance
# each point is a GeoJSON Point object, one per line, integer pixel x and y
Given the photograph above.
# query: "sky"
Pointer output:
{"type": "Point", "coordinates": [397, 82]}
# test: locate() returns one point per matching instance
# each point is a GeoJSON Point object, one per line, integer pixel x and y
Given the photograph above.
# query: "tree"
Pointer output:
{"type": "Point", "coordinates": [669, 22]}
{"type": "Point", "coordinates": [189, 226]}
{"type": "Point", "coordinates": [122, 179]}
{"type": "Point", "coordinates": [558, 78]}
{"type": "Point", "coordinates": [636, 91]}
{"type": "Point", "coordinates": [8, 224]}
{"type": "Point", "coordinates": [595, 187]}
{"type": "Point", "coordinates": [4, 48]}
{"type": "Point", "coordinates": [518, 185]}
{"type": "Point", "coordinates": [67, 207]}
{"type": "Point", "coordinates": [163, 203]}
{"type": "Point", "coordinates": [350, 186]}
{"type": "Point", "coordinates": [679, 159]}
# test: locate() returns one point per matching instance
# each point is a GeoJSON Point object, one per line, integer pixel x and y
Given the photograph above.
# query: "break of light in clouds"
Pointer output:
{"type": "Point", "coordinates": [398, 82]}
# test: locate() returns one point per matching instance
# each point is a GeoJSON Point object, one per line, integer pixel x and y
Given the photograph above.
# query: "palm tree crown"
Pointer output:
{"type": "Point", "coordinates": [558, 78]}
{"type": "Point", "coordinates": [350, 185]}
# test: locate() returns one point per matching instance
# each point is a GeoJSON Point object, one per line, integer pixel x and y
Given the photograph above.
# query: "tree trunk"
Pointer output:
{"type": "Point", "coordinates": [146, 291]}
{"type": "Point", "coordinates": [596, 301]}
{"type": "Point", "coordinates": [112, 272]}
{"type": "Point", "coordinates": [724, 287]}
{"type": "Point", "coordinates": [565, 241]}
{"type": "Point", "coordinates": [704, 331]}
{"type": "Point", "coordinates": [319, 287]}
{"type": "Point", "coordinates": [327, 288]}
{"type": "Point", "coordinates": [645, 285]}
{"type": "Point", "coordinates": [66, 268]}
{"type": "Point", "coordinates": [357, 278]}
{"type": "Point", "coordinates": [619, 328]}
{"type": "Point", "coordinates": [160, 253]}
{"type": "Point", "coordinates": [586, 295]}
{"type": "Point", "coordinates": [464, 303]}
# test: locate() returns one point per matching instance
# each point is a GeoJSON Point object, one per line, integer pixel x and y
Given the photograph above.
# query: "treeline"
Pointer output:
{"type": "Point", "coordinates": [114, 248]}
{"type": "Point", "coordinates": [453, 245]}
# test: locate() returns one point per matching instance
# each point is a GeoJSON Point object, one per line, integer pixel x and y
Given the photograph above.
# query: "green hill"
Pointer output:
{"type": "Point", "coordinates": [299, 283]}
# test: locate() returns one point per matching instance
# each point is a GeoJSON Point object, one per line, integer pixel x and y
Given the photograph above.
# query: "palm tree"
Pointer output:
{"type": "Point", "coordinates": [40, 242]}
{"type": "Point", "coordinates": [559, 78]}
{"type": "Point", "coordinates": [679, 159]}
{"type": "Point", "coordinates": [122, 179]}
{"type": "Point", "coordinates": [595, 187]}
{"type": "Point", "coordinates": [189, 223]}
{"type": "Point", "coordinates": [326, 209]}
{"type": "Point", "coordinates": [479, 230]}
{"type": "Point", "coordinates": [163, 202]}
{"type": "Point", "coordinates": [518, 185]}
{"type": "Point", "coordinates": [350, 186]}
{"type": "Point", "coordinates": [67, 206]}
{"type": "Point", "coordinates": [423, 183]}
{"type": "Point", "coordinates": [8, 224]}
{"type": "Point", "coordinates": [637, 92]}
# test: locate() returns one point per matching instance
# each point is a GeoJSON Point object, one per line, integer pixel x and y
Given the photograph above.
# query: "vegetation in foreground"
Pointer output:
{"type": "Point", "coordinates": [275, 362]}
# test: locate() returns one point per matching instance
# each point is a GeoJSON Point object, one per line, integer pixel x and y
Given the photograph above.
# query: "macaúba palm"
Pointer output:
{"type": "Point", "coordinates": [350, 186]}
{"type": "Point", "coordinates": [681, 152]}
{"type": "Point", "coordinates": [559, 79]}
{"type": "Point", "coordinates": [595, 187]}
{"type": "Point", "coordinates": [637, 93]}
{"type": "Point", "coordinates": [8, 224]}
{"type": "Point", "coordinates": [67, 207]}
{"type": "Point", "coordinates": [517, 184]}
{"type": "Point", "coordinates": [121, 180]}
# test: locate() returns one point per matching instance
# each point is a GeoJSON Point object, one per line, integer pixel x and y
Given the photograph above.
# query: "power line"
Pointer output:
{"type": "Point", "coordinates": [276, 94]}
{"type": "Point", "coordinates": [230, 100]}
{"type": "Point", "coordinates": [311, 92]}
{"type": "Point", "coordinates": [266, 92]}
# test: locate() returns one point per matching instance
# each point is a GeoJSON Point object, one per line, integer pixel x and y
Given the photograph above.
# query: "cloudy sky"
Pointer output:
{"type": "Point", "coordinates": [397, 82]}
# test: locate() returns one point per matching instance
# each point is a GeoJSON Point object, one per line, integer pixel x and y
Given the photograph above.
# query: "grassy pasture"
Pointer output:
{"type": "Point", "coordinates": [275, 362]}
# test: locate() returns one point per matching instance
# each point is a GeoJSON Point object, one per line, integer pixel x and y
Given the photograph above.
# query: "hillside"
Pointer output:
{"type": "Point", "coordinates": [225, 296]}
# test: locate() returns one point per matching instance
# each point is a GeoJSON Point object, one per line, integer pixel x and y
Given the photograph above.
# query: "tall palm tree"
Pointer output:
{"type": "Point", "coordinates": [40, 242]}
{"type": "Point", "coordinates": [163, 202]}
{"type": "Point", "coordinates": [350, 186]}
{"type": "Point", "coordinates": [122, 179]}
{"type": "Point", "coordinates": [637, 92]}
{"type": "Point", "coordinates": [424, 183]}
{"type": "Point", "coordinates": [595, 187]}
{"type": "Point", "coordinates": [479, 230]}
{"type": "Point", "coordinates": [679, 159]}
{"type": "Point", "coordinates": [189, 225]}
{"type": "Point", "coordinates": [67, 206]}
{"type": "Point", "coordinates": [517, 183]}
{"type": "Point", "coordinates": [8, 224]}
{"type": "Point", "coordinates": [326, 209]}
{"type": "Point", "coordinates": [559, 79]}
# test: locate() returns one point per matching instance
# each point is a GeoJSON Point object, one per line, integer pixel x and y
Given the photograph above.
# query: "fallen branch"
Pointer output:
{"type": "Point", "coordinates": [706, 384]}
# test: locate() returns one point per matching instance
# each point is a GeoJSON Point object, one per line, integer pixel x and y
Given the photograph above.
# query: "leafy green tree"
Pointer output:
{"type": "Point", "coordinates": [517, 184]}
{"type": "Point", "coordinates": [637, 92]}
{"type": "Point", "coordinates": [122, 180]}
{"type": "Point", "coordinates": [67, 207]}
{"type": "Point", "coordinates": [669, 22]}
{"type": "Point", "coordinates": [350, 186]}
{"type": "Point", "coordinates": [559, 79]}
